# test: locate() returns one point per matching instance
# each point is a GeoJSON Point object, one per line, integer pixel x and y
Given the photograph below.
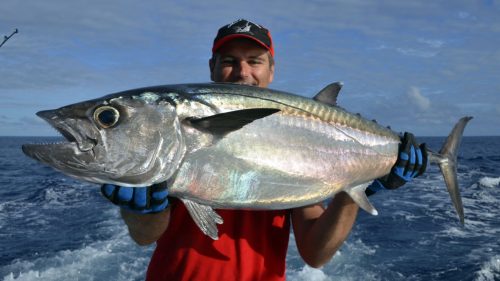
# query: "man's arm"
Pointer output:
{"type": "Point", "coordinates": [320, 232]}
{"type": "Point", "coordinates": [146, 228]}
{"type": "Point", "coordinates": [145, 210]}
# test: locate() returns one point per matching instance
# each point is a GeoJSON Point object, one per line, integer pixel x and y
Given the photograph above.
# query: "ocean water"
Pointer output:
{"type": "Point", "coordinates": [56, 228]}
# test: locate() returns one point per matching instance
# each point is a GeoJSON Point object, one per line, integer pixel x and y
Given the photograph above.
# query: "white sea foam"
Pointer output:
{"type": "Point", "coordinates": [64, 194]}
{"type": "Point", "coordinates": [454, 231]}
{"type": "Point", "coordinates": [489, 182]}
{"type": "Point", "coordinates": [3, 215]}
{"type": "Point", "coordinates": [350, 263]}
{"type": "Point", "coordinates": [307, 274]}
{"type": "Point", "coordinates": [490, 270]}
{"type": "Point", "coordinates": [117, 258]}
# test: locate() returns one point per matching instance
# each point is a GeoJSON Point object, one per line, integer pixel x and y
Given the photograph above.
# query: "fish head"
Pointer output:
{"type": "Point", "coordinates": [128, 140]}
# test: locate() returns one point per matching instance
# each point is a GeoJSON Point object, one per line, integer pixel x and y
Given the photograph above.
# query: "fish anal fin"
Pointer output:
{"type": "Point", "coordinates": [358, 195]}
{"type": "Point", "coordinates": [224, 123]}
{"type": "Point", "coordinates": [204, 217]}
{"type": "Point", "coordinates": [329, 94]}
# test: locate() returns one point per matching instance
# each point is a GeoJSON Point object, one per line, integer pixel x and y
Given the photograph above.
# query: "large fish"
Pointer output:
{"type": "Point", "coordinates": [230, 146]}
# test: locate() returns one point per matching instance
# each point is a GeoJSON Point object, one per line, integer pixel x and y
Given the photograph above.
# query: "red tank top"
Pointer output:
{"type": "Point", "coordinates": [252, 245]}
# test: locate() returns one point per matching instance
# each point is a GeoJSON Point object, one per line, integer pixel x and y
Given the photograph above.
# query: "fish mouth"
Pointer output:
{"type": "Point", "coordinates": [75, 139]}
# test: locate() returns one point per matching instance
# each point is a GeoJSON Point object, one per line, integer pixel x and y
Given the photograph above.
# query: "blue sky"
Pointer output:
{"type": "Point", "coordinates": [415, 65]}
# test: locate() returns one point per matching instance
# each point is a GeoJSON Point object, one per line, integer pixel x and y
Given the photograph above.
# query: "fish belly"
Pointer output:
{"type": "Point", "coordinates": [283, 161]}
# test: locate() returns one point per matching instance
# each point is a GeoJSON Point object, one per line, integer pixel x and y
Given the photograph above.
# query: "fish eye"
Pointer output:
{"type": "Point", "coordinates": [106, 116]}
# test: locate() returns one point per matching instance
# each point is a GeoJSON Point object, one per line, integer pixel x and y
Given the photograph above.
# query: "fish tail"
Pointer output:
{"type": "Point", "coordinates": [447, 161]}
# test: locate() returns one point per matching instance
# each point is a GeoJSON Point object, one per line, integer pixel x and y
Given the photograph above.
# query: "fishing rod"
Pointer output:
{"type": "Point", "coordinates": [5, 38]}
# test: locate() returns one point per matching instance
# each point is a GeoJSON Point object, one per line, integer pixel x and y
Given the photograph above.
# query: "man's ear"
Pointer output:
{"type": "Point", "coordinates": [271, 77]}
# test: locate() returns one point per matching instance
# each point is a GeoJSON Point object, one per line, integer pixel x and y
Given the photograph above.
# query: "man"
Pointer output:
{"type": "Point", "coordinates": [252, 244]}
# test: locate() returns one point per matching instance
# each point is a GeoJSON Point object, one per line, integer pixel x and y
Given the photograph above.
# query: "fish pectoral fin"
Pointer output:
{"type": "Point", "coordinates": [329, 94]}
{"type": "Point", "coordinates": [224, 123]}
{"type": "Point", "coordinates": [205, 218]}
{"type": "Point", "coordinates": [358, 194]}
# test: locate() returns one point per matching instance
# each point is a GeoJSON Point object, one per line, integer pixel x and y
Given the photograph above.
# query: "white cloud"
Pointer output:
{"type": "Point", "coordinates": [434, 43]}
{"type": "Point", "coordinates": [416, 52]}
{"type": "Point", "coordinates": [422, 102]}
{"type": "Point", "coordinates": [463, 15]}
{"type": "Point", "coordinates": [428, 50]}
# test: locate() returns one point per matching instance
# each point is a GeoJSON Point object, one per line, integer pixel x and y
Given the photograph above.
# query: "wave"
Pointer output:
{"type": "Point", "coordinates": [117, 258]}
{"type": "Point", "coordinates": [489, 182]}
{"type": "Point", "coordinates": [490, 270]}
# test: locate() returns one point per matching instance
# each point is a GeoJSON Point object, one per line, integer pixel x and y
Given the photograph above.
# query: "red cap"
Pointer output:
{"type": "Point", "coordinates": [244, 29]}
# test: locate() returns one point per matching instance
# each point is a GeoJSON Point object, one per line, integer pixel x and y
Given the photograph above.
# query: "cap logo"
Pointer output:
{"type": "Point", "coordinates": [243, 29]}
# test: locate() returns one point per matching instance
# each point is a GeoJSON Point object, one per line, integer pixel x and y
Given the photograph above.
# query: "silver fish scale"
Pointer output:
{"type": "Point", "coordinates": [251, 97]}
{"type": "Point", "coordinates": [303, 154]}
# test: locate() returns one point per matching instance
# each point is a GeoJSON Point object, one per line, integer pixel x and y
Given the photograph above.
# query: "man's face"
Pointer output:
{"type": "Point", "coordinates": [242, 61]}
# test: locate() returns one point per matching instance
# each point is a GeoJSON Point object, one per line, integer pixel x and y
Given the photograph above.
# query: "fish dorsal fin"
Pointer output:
{"type": "Point", "coordinates": [329, 94]}
{"type": "Point", "coordinates": [224, 123]}
{"type": "Point", "coordinates": [358, 195]}
{"type": "Point", "coordinates": [204, 217]}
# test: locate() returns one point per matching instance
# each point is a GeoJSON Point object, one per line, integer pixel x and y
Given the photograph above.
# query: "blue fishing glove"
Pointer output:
{"type": "Point", "coordinates": [411, 163]}
{"type": "Point", "coordinates": [141, 200]}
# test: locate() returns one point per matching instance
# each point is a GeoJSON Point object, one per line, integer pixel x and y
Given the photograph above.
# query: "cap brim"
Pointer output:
{"type": "Point", "coordinates": [228, 38]}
